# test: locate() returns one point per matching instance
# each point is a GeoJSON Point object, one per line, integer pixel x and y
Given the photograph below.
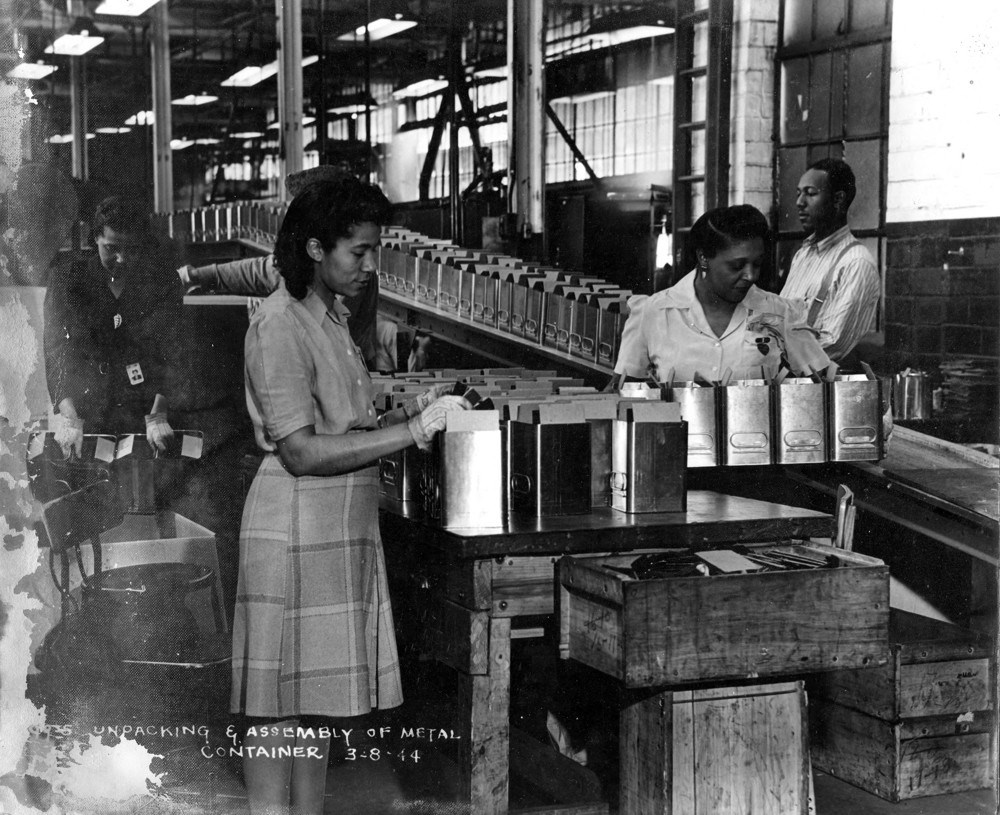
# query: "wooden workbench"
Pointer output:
{"type": "Point", "coordinates": [467, 590]}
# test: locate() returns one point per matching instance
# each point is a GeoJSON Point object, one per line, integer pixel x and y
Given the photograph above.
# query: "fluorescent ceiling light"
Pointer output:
{"type": "Point", "coordinates": [379, 29]}
{"type": "Point", "coordinates": [125, 8]}
{"type": "Point", "coordinates": [180, 144]}
{"type": "Point", "coordinates": [143, 117]}
{"type": "Point", "coordinates": [31, 70]}
{"type": "Point", "coordinates": [353, 108]}
{"type": "Point", "coordinates": [246, 134]}
{"type": "Point", "coordinates": [255, 74]}
{"type": "Point", "coordinates": [196, 99]}
{"type": "Point", "coordinates": [91, 136]}
{"type": "Point", "coordinates": [421, 87]}
{"type": "Point", "coordinates": [577, 98]}
{"type": "Point", "coordinates": [207, 141]}
{"type": "Point", "coordinates": [498, 72]}
{"type": "Point", "coordinates": [62, 138]}
{"type": "Point", "coordinates": [81, 38]}
{"type": "Point", "coordinates": [306, 120]}
{"type": "Point", "coordinates": [113, 130]}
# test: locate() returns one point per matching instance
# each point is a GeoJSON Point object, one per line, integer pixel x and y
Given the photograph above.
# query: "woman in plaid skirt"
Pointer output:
{"type": "Point", "coordinates": [313, 635]}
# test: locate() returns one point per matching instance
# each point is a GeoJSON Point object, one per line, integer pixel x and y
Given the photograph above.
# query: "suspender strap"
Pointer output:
{"type": "Point", "coordinates": [824, 289]}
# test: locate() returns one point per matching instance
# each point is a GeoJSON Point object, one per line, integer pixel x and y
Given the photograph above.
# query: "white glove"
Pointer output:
{"type": "Point", "coordinates": [887, 425]}
{"type": "Point", "coordinates": [414, 406]}
{"type": "Point", "coordinates": [431, 420]}
{"type": "Point", "coordinates": [69, 434]}
{"type": "Point", "coordinates": [158, 431]}
{"type": "Point", "coordinates": [184, 273]}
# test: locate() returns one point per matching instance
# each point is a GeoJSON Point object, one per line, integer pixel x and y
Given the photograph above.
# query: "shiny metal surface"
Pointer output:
{"type": "Point", "coordinates": [699, 409]}
{"type": "Point", "coordinates": [746, 423]}
{"type": "Point", "coordinates": [549, 468]}
{"type": "Point", "coordinates": [855, 418]}
{"type": "Point", "coordinates": [648, 466]}
{"type": "Point", "coordinates": [800, 422]}
{"type": "Point", "coordinates": [470, 480]}
{"type": "Point", "coordinates": [911, 395]}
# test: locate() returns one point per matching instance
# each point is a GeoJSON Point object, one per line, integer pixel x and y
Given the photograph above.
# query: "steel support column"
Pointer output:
{"type": "Point", "coordinates": [78, 115]}
{"type": "Point", "coordinates": [290, 88]}
{"type": "Point", "coordinates": [526, 117]}
{"type": "Point", "coordinates": [163, 161]}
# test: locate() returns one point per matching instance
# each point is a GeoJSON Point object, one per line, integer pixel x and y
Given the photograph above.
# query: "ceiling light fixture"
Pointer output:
{"type": "Point", "coordinates": [180, 144]}
{"type": "Point", "coordinates": [125, 8]}
{"type": "Point", "coordinates": [81, 37]}
{"type": "Point", "coordinates": [61, 138]}
{"type": "Point", "coordinates": [246, 134]}
{"type": "Point", "coordinates": [193, 99]}
{"type": "Point", "coordinates": [142, 117]}
{"type": "Point", "coordinates": [31, 70]}
{"type": "Point", "coordinates": [207, 141]}
{"type": "Point", "coordinates": [422, 87]}
{"type": "Point", "coordinates": [386, 20]}
{"type": "Point", "coordinates": [255, 74]}
{"type": "Point", "coordinates": [306, 120]}
{"type": "Point", "coordinates": [618, 27]}
{"type": "Point", "coordinates": [112, 130]}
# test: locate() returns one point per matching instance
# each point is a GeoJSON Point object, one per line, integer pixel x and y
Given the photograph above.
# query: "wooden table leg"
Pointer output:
{"type": "Point", "coordinates": [484, 713]}
{"type": "Point", "coordinates": [646, 755]}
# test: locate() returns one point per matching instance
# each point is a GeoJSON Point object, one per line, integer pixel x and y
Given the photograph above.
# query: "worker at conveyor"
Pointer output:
{"type": "Point", "coordinates": [715, 324]}
{"type": "Point", "coordinates": [313, 635]}
{"type": "Point", "coordinates": [257, 276]}
{"type": "Point", "coordinates": [109, 338]}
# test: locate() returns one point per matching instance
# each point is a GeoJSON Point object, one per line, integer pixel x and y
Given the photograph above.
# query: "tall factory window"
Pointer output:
{"type": "Point", "coordinates": [833, 98]}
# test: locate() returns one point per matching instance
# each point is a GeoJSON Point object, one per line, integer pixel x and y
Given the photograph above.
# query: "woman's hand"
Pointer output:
{"type": "Point", "coordinates": [432, 419]}
{"type": "Point", "coordinates": [158, 431]}
{"type": "Point", "coordinates": [416, 406]}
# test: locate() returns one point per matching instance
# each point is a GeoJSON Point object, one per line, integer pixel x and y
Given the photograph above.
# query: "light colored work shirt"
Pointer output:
{"type": "Point", "coordinates": [303, 368]}
{"type": "Point", "coordinates": [848, 309]}
{"type": "Point", "coordinates": [668, 336]}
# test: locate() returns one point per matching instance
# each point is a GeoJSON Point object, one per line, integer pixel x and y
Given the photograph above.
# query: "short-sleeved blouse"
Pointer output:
{"type": "Point", "coordinates": [668, 335]}
{"type": "Point", "coordinates": [304, 369]}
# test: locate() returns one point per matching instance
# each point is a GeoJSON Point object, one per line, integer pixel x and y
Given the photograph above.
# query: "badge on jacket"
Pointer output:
{"type": "Point", "coordinates": [134, 372]}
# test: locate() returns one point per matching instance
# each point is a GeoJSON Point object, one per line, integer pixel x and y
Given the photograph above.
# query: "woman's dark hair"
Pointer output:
{"type": "Point", "coordinates": [326, 210]}
{"type": "Point", "coordinates": [121, 214]}
{"type": "Point", "coordinates": [720, 228]}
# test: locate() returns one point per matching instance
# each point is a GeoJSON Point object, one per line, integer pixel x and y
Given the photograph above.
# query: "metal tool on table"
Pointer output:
{"type": "Point", "coordinates": [845, 519]}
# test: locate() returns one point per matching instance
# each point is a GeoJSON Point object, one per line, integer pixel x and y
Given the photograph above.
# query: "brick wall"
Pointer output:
{"type": "Point", "coordinates": [942, 312]}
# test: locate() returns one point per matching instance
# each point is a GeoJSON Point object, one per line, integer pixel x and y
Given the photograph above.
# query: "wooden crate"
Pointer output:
{"type": "Point", "coordinates": [716, 751]}
{"type": "Point", "coordinates": [735, 626]}
{"type": "Point", "coordinates": [919, 725]}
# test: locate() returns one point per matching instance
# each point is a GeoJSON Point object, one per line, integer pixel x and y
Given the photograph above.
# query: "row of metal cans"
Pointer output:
{"type": "Point", "coordinates": [581, 315]}
{"type": "Point", "coordinates": [799, 421]}
{"type": "Point", "coordinates": [256, 221]}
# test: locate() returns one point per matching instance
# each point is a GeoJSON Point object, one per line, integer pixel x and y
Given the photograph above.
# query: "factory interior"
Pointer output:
{"type": "Point", "coordinates": [617, 573]}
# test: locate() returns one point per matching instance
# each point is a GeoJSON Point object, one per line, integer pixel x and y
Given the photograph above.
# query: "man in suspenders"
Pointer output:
{"type": "Point", "coordinates": [832, 273]}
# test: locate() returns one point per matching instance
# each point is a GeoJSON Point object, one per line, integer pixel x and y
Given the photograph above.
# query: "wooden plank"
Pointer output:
{"type": "Point", "coordinates": [469, 583]}
{"type": "Point", "coordinates": [546, 769]}
{"type": "Point", "coordinates": [457, 636]}
{"type": "Point", "coordinates": [484, 709]}
{"type": "Point", "coordinates": [971, 722]}
{"type": "Point", "coordinates": [711, 520]}
{"type": "Point", "coordinates": [523, 586]}
{"type": "Point", "coordinates": [563, 809]}
{"type": "Point", "coordinates": [871, 754]}
{"type": "Point", "coordinates": [595, 634]}
{"type": "Point", "coordinates": [934, 688]}
{"type": "Point", "coordinates": [754, 625]}
{"type": "Point", "coordinates": [749, 753]}
{"type": "Point", "coordinates": [645, 756]}
{"type": "Point", "coordinates": [871, 690]}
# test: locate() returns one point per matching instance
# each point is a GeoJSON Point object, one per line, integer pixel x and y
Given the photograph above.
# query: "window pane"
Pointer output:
{"type": "Point", "coordinates": [864, 91]}
{"type": "Point", "coordinates": [791, 166]}
{"type": "Point", "coordinates": [794, 96]}
{"type": "Point", "coordinates": [818, 122]}
{"type": "Point", "coordinates": [867, 14]}
{"type": "Point", "coordinates": [866, 161]}
{"type": "Point", "coordinates": [837, 94]}
{"type": "Point", "coordinates": [830, 18]}
{"type": "Point", "coordinates": [798, 21]}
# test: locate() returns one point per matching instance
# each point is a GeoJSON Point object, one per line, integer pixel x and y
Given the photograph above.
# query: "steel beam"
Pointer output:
{"type": "Point", "coordinates": [163, 162]}
{"type": "Point", "coordinates": [526, 115]}
{"type": "Point", "coordinates": [290, 150]}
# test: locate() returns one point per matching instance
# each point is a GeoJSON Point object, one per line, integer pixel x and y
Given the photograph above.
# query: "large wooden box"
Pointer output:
{"type": "Point", "coordinates": [918, 725]}
{"type": "Point", "coordinates": [716, 751]}
{"type": "Point", "coordinates": [731, 626]}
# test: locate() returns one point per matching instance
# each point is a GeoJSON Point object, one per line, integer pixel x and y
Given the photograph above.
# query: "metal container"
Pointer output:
{"type": "Point", "coordinates": [649, 458]}
{"type": "Point", "coordinates": [470, 477]}
{"type": "Point", "coordinates": [484, 297]}
{"type": "Point", "coordinates": [550, 461]}
{"type": "Point", "coordinates": [699, 408]}
{"type": "Point", "coordinates": [854, 405]}
{"type": "Point", "coordinates": [911, 395]}
{"type": "Point", "coordinates": [746, 423]}
{"type": "Point", "coordinates": [600, 414]}
{"type": "Point", "coordinates": [609, 330]}
{"type": "Point", "coordinates": [800, 421]}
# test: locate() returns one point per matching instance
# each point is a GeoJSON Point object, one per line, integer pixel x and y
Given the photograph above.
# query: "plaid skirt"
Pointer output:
{"type": "Point", "coordinates": [313, 632]}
